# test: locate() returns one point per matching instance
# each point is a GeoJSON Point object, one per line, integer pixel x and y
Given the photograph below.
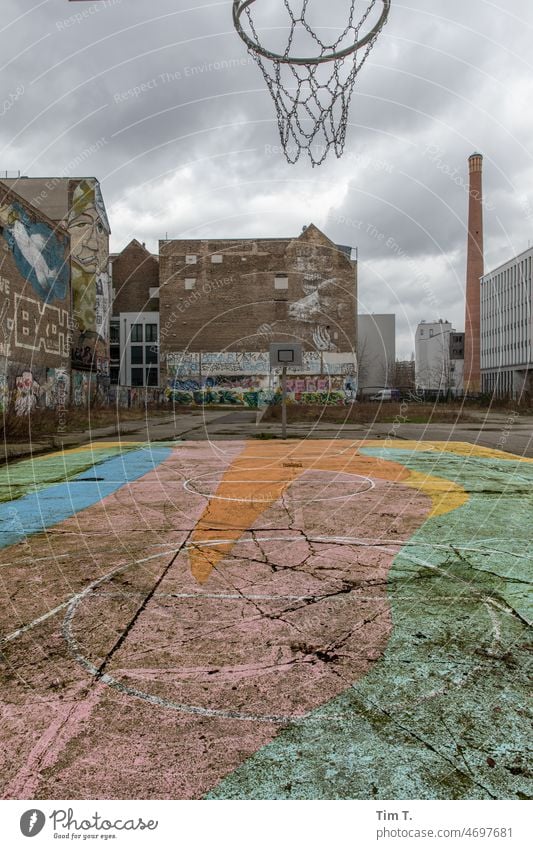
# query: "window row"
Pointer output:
{"type": "Point", "coordinates": [150, 333]}
{"type": "Point", "coordinates": [192, 259]}
{"type": "Point", "coordinates": [144, 354]}
{"type": "Point", "coordinates": [279, 283]}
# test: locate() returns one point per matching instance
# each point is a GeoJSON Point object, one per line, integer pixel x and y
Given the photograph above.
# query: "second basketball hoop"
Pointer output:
{"type": "Point", "coordinates": [311, 74]}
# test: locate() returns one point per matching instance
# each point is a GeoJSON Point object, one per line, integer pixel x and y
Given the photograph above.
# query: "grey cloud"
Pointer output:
{"type": "Point", "coordinates": [195, 152]}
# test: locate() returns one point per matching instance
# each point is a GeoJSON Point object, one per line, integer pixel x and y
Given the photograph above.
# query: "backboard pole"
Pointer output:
{"type": "Point", "coordinates": [284, 403]}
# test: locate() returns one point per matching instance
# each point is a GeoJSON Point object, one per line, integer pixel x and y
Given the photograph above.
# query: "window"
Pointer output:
{"type": "Point", "coordinates": [137, 375]}
{"type": "Point", "coordinates": [136, 332]}
{"type": "Point", "coordinates": [216, 258]}
{"type": "Point", "coordinates": [114, 375]}
{"type": "Point", "coordinates": [190, 259]}
{"type": "Point", "coordinates": [150, 332]}
{"type": "Point", "coordinates": [114, 334]}
{"type": "Point", "coordinates": [114, 352]}
{"type": "Point", "coordinates": [190, 282]}
{"type": "Point", "coordinates": [281, 282]}
{"type": "Point", "coordinates": [150, 354]}
{"type": "Point", "coordinates": [136, 354]}
{"type": "Point", "coordinates": [151, 377]}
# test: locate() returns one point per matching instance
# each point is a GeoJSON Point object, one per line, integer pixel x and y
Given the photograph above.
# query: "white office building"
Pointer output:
{"type": "Point", "coordinates": [506, 328]}
{"type": "Point", "coordinates": [376, 351]}
{"type": "Point", "coordinates": [439, 357]}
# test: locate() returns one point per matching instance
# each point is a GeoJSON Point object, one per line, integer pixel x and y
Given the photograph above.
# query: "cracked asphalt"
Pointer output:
{"type": "Point", "coordinates": [330, 619]}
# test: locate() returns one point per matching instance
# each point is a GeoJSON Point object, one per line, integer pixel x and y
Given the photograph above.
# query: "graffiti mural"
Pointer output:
{"type": "Point", "coordinates": [40, 326]}
{"type": "Point", "coordinates": [38, 251]}
{"type": "Point", "coordinates": [89, 232]}
{"type": "Point", "coordinates": [27, 392]}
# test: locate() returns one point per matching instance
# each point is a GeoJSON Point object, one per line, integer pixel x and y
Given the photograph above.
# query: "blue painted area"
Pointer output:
{"type": "Point", "coordinates": [37, 511]}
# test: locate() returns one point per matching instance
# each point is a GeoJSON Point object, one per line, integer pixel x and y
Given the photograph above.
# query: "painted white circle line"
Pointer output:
{"type": "Point", "coordinates": [371, 485]}
{"type": "Point", "coordinates": [109, 680]}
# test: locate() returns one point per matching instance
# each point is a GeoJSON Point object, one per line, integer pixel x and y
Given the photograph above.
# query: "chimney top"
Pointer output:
{"type": "Point", "coordinates": [475, 162]}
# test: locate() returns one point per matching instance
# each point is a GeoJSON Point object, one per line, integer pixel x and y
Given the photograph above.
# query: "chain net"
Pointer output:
{"type": "Point", "coordinates": [312, 97]}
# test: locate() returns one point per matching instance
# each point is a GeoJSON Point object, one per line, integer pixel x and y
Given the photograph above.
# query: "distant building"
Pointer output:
{"type": "Point", "coordinates": [457, 362]}
{"type": "Point", "coordinates": [34, 307]}
{"type": "Point", "coordinates": [223, 301]}
{"type": "Point", "coordinates": [404, 375]}
{"type": "Point", "coordinates": [134, 352]}
{"type": "Point", "coordinates": [76, 204]}
{"type": "Point", "coordinates": [439, 357]}
{"type": "Point", "coordinates": [376, 351]}
{"type": "Point", "coordinates": [506, 328]}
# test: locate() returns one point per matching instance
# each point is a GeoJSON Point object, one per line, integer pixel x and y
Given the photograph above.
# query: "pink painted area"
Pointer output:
{"type": "Point", "coordinates": [257, 653]}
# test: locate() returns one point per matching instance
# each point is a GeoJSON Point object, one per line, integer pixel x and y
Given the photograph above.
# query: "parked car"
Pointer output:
{"type": "Point", "coordinates": [386, 395]}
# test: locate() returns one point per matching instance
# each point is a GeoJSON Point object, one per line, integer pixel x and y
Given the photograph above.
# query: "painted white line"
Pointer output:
{"type": "Point", "coordinates": [10, 637]}
{"type": "Point", "coordinates": [188, 485]}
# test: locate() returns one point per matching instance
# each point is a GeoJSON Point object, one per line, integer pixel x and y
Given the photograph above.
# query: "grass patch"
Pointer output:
{"type": "Point", "coordinates": [367, 413]}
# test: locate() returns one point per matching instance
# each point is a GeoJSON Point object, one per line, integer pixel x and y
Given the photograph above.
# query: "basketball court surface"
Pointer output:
{"type": "Point", "coordinates": [266, 619]}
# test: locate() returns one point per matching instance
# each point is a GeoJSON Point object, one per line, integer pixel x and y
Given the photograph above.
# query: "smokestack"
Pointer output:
{"type": "Point", "coordinates": [474, 271]}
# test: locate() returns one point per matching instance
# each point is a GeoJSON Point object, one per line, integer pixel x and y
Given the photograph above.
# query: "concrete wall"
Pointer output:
{"type": "Point", "coordinates": [376, 351]}
{"type": "Point", "coordinates": [34, 307]}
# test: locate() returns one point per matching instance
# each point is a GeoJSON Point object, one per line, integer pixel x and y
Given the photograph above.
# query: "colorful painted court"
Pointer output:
{"type": "Point", "coordinates": [266, 620]}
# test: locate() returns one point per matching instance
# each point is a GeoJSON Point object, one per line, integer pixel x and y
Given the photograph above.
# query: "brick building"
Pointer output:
{"type": "Point", "coordinates": [35, 307]}
{"type": "Point", "coordinates": [77, 205]}
{"type": "Point", "coordinates": [134, 328]}
{"type": "Point", "coordinates": [223, 301]}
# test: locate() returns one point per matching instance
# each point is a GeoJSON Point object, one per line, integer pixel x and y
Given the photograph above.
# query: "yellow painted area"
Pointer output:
{"type": "Point", "coordinates": [259, 476]}
{"type": "Point", "coordinates": [462, 449]}
{"type": "Point", "coordinates": [445, 495]}
{"type": "Point", "coordinates": [89, 446]}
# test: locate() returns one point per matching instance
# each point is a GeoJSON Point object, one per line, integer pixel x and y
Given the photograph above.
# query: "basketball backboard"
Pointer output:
{"type": "Point", "coordinates": [286, 354]}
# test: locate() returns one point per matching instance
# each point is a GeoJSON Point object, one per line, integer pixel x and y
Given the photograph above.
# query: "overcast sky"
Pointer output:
{"type": "Point", "coordinates": [190, 155]}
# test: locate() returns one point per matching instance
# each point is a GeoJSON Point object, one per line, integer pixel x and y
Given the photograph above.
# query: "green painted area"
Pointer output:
{"type": "Point", "coordinates": [443, 714]}
{"type": "Point", "coordinates": [26, 476]}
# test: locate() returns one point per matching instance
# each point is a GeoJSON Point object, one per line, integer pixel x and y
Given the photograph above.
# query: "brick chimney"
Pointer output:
{"type": "Point", "coordinates": [474, 271]}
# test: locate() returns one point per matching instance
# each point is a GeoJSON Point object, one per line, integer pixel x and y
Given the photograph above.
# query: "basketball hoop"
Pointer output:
{"type": "Point", "coordinates": [312, 93]}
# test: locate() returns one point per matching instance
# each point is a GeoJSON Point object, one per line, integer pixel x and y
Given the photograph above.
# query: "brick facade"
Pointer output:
{"type": "Point", "coordinates": [135, 271]}
{"type": "Point", "coordinates": [222, 302]}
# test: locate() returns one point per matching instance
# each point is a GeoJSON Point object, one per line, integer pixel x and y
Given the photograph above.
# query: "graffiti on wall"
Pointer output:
{"type": "Point", "coordinates": [38, 251]}
{"type": "Point", "coordinates": [216, 365]}
{"type": "Point", "coordinates": [207, 378]}
{"type": "Point", "coordinates": [4, 393]}
{"type": "Point", "coordinates": [27, 392]}
{"type": "Point", "coordinates": [56, 388]}
{"type": "Point", "coordinates": [40, 326]}
{"type": "Point", "coordinates": [83, 385]}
